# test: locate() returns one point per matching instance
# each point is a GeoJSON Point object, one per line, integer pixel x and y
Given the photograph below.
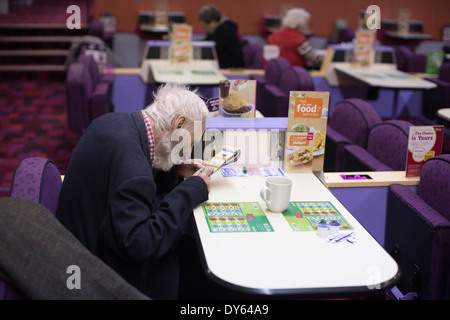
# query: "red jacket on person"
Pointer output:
{"type": "Point", "coordinates": [288, 40]}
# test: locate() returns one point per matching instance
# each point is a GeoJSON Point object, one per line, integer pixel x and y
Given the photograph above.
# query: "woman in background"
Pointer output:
{"type": "Point", "coordinates": [291, 39]}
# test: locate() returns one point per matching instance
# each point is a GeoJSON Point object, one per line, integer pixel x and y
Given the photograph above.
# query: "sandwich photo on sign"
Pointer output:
{"type": "Point", "coordinates": [237, 98]}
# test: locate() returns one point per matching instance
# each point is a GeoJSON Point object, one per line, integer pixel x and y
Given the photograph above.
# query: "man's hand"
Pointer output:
{"type": "Point", "coordinates": [205, 174]}
{"type": "Point", "coordinates": [190, 167]}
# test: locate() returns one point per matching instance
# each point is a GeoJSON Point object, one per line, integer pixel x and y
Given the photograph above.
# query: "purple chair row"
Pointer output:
{"type": "Point", "coordinates": [418, 232]}
{"type": "Point", "coordinates": [88, 95]}
{"type": "Point", "coordinates": [273, 89]}
{"type": "Point", "coordinates": [359, 140]}
{"type": "Point", "coordinates": [408, 61]}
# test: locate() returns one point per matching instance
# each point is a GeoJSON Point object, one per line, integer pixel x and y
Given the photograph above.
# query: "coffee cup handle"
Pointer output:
{"type": "Point", "coordinates": [264, 195]}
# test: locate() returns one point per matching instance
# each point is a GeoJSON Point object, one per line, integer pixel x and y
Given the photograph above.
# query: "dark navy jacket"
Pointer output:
{"type": "Point", "coordinates": [109, 201]}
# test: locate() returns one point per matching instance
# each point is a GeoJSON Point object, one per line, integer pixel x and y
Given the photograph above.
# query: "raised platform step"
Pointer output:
{"type": "Point", "coordinates": [31, 52]}
{"type": "Point", "coordinates": [37, 26]}
{"type": "Point", "coordinates": [32, 68]}
{"type": "Point", "coordinates": [39, 39]}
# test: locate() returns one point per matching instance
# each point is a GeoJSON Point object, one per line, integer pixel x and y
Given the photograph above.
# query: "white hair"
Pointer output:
{"type": "Point", "coordinates": [173, 100]}
{"type": "Point", "coordinates": [295, 18]}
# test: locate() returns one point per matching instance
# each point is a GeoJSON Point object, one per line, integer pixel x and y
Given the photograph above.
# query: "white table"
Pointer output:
{"type": "Point", "coordinates": [385, 76]}
{"type": "Point", "coordinates": [287, 262]}
{"type": "Point", "coordinates": [444, 113]}
{"type": "Point", "coordinates": [197, 72]}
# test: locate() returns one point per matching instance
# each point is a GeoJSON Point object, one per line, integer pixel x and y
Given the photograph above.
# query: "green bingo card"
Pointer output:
{"type": "Point", "coordinates": [304, 216]}
{"type": "Point", "coordinates": [236, 217]}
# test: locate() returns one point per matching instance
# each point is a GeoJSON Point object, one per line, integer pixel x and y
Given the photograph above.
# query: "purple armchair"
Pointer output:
{"type": "Point", "coordinates": [253, 55]}
{"type": "Point", "coordinates": [273, 69]}
{"type": "Point", "coordinates": [386, 149]}
{"type": "Point", "coordinates": [350, 123]}
{"type": "Point", "coordinates": [86, 100]}
{"type": "Point", "coordinates": [93, 69]}
{"type": "Point", "coordinates": [439, 97]}
{"type": "Point", "coordinates": [418, 231]}
{"type": "Point", "coordinates": [37, 179]}
{"type": "Point", "coordinates": [276, 97]}
{"type": "Point", "coordinates": [403, 56]}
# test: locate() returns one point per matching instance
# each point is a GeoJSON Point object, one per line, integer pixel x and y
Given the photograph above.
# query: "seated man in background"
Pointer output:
{"type": "Point", "coordinates": [291, 39]}
{"type": "Point", "coordinates": [224, 33]}
{"type": "Point", "coordinates": [121, 197]}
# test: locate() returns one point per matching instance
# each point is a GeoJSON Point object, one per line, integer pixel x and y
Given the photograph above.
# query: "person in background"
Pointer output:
{"type": "Point", "coordinates": [291, 39]}
{"type": "Point", "coordinates": [128, 195]}
{"type": "Point", "coordinates": [224, 33]}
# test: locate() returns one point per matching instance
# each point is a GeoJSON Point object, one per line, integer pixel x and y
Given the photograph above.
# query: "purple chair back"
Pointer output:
{"type": "Point", "coordinates": [274, 68]}
{"type": "Point", "coordinates": [258, 56]}
{"type": "Point", "coordinates": [435, 182]}
{"type": "Point", "coordinates": [253, 55]}
{"type": "Point", "coordinates": [91, 66]}
{"type": "Point", "coordinates": [388, 142]}
{"type": "Point", "coordinates": [353, 118]}
{"type": "Point", "coordinates": [247, 54]}
{"type": "Point", "coordinates": [418, 63]}
{"type": "Point", "coordinates": [444, 72]}
{"type": "Point", "coordinates": [295, 79]}
{"type": "Point", "coordinates": [346, 35]}
{"type": "Point", "coordinates": [402, 56]}
{"type": "Point", "coordinates": [79, 88]}
{"type": "Point", "coordinates": [39, 180]}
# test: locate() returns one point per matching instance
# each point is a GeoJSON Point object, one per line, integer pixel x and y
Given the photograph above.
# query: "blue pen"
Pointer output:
{"type": "Point", "coordinates": [334, 239]}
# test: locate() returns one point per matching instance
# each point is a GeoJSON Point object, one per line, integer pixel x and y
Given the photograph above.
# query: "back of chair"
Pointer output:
{"type": "Point", "coordinates": [435, 182]}
{"type": "Point", "coordinates": [274, 69]}
{"type": "Point", "coordinates": [295, 79]}
{"type": "Point", "coordinates": [388, 142]}
{"type": "Point", "coordinates": [444, 72]}
{"type": "Point", "coordinates": [353, 118]}
{"type": "Point", "coordinates": [403, 55]}
{"type": "Point", "coordinates": [39, 180]}
{"type": "Point", "coordinates": [79, 88]}
{"type": "Point", "coordinates": [418, 63]}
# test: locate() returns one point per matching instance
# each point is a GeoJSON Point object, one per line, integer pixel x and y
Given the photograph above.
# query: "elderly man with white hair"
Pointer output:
{"type": "Point", "coordinates": [129, 190]}
{"type": "Point", "coordinates": [291, 39]}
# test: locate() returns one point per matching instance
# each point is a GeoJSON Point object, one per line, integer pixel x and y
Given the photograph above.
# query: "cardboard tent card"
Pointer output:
{"type": "Point", "coordinates": [424, 142]}
{"type": "Point", "coordinates": [181, 47]}
{"type": "Point", "coordinates": [306, 131]}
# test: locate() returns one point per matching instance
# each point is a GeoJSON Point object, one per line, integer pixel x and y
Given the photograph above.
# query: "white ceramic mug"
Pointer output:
{"type": "Point", "coordinates": [277, 193]}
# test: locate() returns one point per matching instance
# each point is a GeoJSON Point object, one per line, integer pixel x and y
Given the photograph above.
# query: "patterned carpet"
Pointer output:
{"type": "Point", "coordinates": [33, 123]}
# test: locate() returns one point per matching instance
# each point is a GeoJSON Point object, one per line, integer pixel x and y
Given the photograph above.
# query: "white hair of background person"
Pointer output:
{"type": "Point", "coordinates": [173, 100]}
{"type": "Point", "coordinates": [296, 18]}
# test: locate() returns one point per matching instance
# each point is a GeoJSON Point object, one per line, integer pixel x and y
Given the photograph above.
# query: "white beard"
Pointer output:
{"type": "Point", "coordinates": [163, 160]}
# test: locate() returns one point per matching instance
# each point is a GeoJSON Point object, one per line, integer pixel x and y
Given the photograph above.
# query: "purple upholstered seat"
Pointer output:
{"type": "Point", "coordinates": [273, 69]}
{"type": "Point", "coordinates": [252, 53]}
{"type": "Point", "coordinates": [402, 56]}
{"type": "Point", "coordinates": [440, 96]}
{"type": "Point", "coordinates": [93, 69]}
{"type": "Point", "coordinates": [386, 149]}
{"type": "Point", "coordinates": [418, 231]}
{"type": "Point", "coordinates": [346, 35]}
{"type": "Point", "coordinates": [350, 123]}
{"type": "Point", "coordinates": [276, 97]}
{"type": "Point", "coordinates": [85, 99]}
{"type": "Point", "coordinates": [418, 63]}
{"type": "Point", "coordinates": [37, 179]}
